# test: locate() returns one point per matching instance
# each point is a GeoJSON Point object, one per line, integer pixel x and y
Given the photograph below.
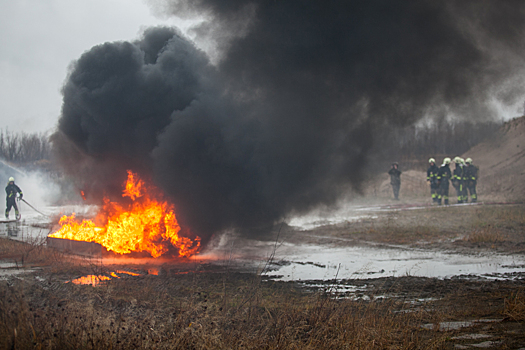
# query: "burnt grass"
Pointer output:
{"type": "Point", "coordinates": [206, 306]}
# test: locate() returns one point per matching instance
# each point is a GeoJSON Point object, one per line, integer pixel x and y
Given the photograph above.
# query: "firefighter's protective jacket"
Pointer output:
{"type": "Point", "coordinates": [444, 173]}
{"type": "Point", "coordinates": [11, 190]}
{"type": "Point", "coordinates": [432, 173]}
{"type": "Point", "coordinates": [471, 173]}
{"type": "Point", "coordinates": [457, 177]}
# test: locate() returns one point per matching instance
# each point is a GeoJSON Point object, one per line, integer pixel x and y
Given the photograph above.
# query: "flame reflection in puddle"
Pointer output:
{"type": "Point", "coordinates": [93, 280]}
{"type": "Point", "coordinates": [97, 280]}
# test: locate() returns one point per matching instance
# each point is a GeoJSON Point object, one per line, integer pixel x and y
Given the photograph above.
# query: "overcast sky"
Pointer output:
{"type": "Point", "coordinates": [40, 38]}
{"type": "Point", "coordinates": [38, 41]}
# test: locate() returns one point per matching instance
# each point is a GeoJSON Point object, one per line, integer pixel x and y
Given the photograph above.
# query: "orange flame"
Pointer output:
{"type": "Point", "coordinates": [146, 225]}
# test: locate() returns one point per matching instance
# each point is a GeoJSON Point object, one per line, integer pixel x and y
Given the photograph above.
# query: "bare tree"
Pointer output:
{"type": "Point", "coordinates": [23, 148]}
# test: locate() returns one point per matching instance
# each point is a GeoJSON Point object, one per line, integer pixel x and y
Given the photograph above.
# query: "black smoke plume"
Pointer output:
{"type": "Point", "coordinates": [282, 120]}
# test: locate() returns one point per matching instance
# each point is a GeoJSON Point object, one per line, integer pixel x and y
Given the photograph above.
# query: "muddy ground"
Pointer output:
{"type": "Point", "coordinates": [227, 304]}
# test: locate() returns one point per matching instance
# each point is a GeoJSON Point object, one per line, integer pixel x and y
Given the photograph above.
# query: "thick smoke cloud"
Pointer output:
{"type": "Point", "coordinates": [284, 119]}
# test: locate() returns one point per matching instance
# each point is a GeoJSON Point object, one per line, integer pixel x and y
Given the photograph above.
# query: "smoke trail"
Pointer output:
{"type": "Point", "coordinates": [284, 119]}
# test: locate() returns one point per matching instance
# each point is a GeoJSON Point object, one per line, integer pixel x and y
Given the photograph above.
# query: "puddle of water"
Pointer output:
{"type": "Point", "coordinates": [5, 273]}
{"type": "Point", "coordinates": [472, 336]}
{"type": "Point", "coordinates": [8, 265]}
{"type": "Point", "coordinates": [454, 325]}
{"type": "Point", "coordinates": [327, 263]}
{"type": "Point", "coordinates": [93, 280]}
{"type": "Point", "coordinates": [11, 269]}
{"type": "Point", "coordinates": [97, 280]}
{"type": "Point", "coordinates": [346, 213]}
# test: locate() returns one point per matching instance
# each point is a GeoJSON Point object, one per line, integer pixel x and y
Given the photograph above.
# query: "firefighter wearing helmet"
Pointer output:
{"type": "Point", "coordinates": [457, 180]}
{"type": "Point", "coordinates": [443, 178]}
{"type": "Point", "coordinates": [471, 179]}
{"type": "Point", "coordinates": [11, 191]}
{"type": "Point", "coordinates": [432, 173]}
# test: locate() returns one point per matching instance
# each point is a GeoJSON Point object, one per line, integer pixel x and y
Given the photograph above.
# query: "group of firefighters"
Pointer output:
{"type": "Point", "coordinates": [464, 179]}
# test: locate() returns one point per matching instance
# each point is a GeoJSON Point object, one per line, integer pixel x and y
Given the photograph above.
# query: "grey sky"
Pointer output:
{"type": "Point", "coordinates": [40, 38]}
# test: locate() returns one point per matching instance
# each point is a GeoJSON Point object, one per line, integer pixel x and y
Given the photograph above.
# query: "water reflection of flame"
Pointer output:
{"type": "Point", "coordinates": [93, 280]}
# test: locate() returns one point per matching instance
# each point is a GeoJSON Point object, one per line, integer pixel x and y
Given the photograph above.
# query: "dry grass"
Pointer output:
{"type": "Point", "coordinates": [515, 306]}
{"type": "Point", "coordinates": [485, 235]}
{"type": "Point", "coordinates": [181, 313]}
{"type": "Point", "coordinates": [510, 218]}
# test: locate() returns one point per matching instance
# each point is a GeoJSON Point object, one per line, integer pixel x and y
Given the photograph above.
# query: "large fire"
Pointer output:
{"type": "Point", "coordinates": [147, 224]}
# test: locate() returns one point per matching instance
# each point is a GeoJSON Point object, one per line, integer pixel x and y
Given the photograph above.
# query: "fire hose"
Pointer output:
{"type": "Point", "coordinates": [35, 209]}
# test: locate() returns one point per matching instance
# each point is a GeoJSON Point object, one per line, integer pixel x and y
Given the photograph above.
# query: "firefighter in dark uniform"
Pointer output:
{"type": "Point", "coordinates": [457, 179]}
{"type": "Point", "coordinates": [395, 179]}
{"type": "Point", "coordinates": [11, 190]}
{"type": "Point", "coordinates": [471, 174]}
{"type": "Point", "coordinates": [432, 173]}
{"type": "Point", "coordinates": [464, 193]}
{"type": "Point", "coordinates": [444, 175]}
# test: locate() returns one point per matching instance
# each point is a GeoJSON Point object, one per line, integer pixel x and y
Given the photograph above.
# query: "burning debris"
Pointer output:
{"type": "Point", "coordinates": [143, 224]}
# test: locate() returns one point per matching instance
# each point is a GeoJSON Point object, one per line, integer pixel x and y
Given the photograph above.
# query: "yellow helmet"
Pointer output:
{"type": "Point", "coordinates": [431, 160]}
{"type": "Point", "coordinates": [468, 161]}
{"type": "Point", "coordinates": [446, 160]}
{"type": "Point", "coordinates": [11, 179]}
{"type": "Point", "coordinates": [457, 160]}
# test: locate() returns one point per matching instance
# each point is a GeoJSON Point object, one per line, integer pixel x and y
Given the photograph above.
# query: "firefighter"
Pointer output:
{"type": "Point", "coordinates": [457, 179]}
{"type": "Point", "coordinates": [443, 178]}
{"type": "Point", "coordinates": [464, 190]}
{"type": "Point", "coordinates": [395, 179]}
{"type": "Point", "coordinates": [471, 174]}
{"type": "Point", "coordinates": [432, 173]}
{"type": "Point", "coordinates": [11, 190]}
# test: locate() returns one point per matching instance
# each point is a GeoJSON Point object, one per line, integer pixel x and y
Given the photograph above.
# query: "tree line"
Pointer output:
{"type": "Point", "coordinates": [412, 146]}
{"type": "Point", "coordinates": [24, 148]}
{"type": "Point", "coordinates": [391, 143]}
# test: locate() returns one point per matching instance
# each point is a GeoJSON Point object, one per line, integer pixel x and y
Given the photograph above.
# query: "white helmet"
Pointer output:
{"type": "Point", "coordinates": [468, 161]}
{"type": "Point", "coordinates": [432, 160]}
{"type": "Point", "coordinates": [446, 160]}
{"type": "Point", "coordinates": [457, 160]}
{"type": "Point", "coordinates": [11, 179]}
